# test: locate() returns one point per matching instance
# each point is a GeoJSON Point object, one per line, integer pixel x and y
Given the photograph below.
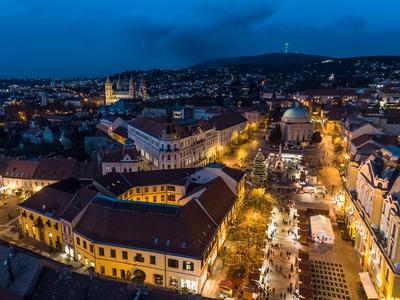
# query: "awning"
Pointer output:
{"type": "Point", "coordinates": [321, 224]}
{"type": "Point", "coordinates": [369, 287]}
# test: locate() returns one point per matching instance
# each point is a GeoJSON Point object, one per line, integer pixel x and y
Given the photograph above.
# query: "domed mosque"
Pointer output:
{"type": "Point", "coordinates": [296, 127]}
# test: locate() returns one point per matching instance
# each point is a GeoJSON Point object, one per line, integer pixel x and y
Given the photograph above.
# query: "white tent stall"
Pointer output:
{"type": "Point", "coordinates": [321, 229]}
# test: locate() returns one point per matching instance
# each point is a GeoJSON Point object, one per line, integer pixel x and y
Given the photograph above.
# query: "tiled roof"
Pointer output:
{"type": "Point", "coordinates": [121, 131]}
{"type": "Point", "coordinates": [224, 121]}
{"type": "Point", "coordinates": [236, 174]}
{"type": "Point", "coordinates": [217, 199]}
{"type": "Point", "coordinates": [117, 183]}
{"type": "Point", "coordinates": [21, 169]}
{"type": "Point", "coordinates": [48, 201]}
{"type": "Point", "coordinates": [62, 199]}
{"type": "Point", "coordinates": [54, 168]}
{"type": "Point", "coordinates": [186, 231]}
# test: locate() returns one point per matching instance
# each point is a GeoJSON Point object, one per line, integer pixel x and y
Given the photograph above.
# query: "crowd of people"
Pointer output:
{"type": "Point", "coordinates": [280, 265]}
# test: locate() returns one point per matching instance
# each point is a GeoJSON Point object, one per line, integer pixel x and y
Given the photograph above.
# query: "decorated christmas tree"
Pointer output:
{"type": "Point", "coordinates": [259, 172]}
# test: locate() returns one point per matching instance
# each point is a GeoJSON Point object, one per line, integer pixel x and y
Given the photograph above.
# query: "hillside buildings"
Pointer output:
{"type": "Point", "coordinates": [165, 225]}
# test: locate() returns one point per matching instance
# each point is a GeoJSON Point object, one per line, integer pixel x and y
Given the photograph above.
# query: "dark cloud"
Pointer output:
{"type": "Point", "coordinates": [75, 37]}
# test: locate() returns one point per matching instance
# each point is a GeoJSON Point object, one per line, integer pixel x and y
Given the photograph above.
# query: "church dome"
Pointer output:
{"type": "Point", "coordinates": [295, 115]}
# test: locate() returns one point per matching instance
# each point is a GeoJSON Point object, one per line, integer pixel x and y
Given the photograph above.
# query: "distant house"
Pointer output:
{"type": "Point", "coordinates": [33, 135]}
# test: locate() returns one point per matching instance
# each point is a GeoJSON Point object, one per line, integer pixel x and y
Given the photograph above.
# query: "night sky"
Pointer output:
{"type": "Point", "coordinates": [61, 38]}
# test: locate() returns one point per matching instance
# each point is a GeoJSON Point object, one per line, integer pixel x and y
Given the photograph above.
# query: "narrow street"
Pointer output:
{"type": "Point", "coordinates": [282, 251]}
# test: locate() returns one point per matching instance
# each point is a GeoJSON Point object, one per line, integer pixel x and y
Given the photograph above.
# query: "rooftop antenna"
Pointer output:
{"type": "Point", "coordinates": [286, 47]}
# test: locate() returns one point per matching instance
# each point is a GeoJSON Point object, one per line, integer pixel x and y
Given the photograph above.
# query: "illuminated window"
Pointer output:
{"type": "Point", "coordinates": [158, 279]}
{"type": "Point", "coordinates": [187, 265]}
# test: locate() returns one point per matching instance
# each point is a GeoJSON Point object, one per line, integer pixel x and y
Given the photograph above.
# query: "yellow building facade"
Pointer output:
{"type": "Point", "coordinates": [42, 228]}
{"type": "Point", "coordinates": [165, 261]}
{"type": "Point", "coordinates": [373, 220]}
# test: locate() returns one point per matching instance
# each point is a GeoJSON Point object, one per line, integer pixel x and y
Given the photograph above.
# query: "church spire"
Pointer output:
{"type": "Point", "coordinates": [119, 83]}
{"type": "Point", "coordinates": [143, 89]}
{"type": "Point", "coordinates": [131, 88]}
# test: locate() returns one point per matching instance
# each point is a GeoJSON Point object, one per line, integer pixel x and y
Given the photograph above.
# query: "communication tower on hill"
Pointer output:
{"type": "Point", "coordinates": [286, 47]}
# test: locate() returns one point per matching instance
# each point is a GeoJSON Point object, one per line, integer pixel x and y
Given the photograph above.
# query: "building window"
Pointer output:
{"type": "Point", "coordinates": [102, 270]}
{"type": "Point", "coordinates": [154, 188]}
{"type": "Point", "coordinates": [139, 257]}
{"type": "Point", "coordinates": [171, 188]}
{"type": "Point", "coordinates": [173, 263]}
{"type": "Point", "coordinates": [124, 255]}
{"type": "Point", "coordinates": [137, 190]}
{"type": "Point", "coordinates": [154, 198]}
{"type": "Point", "coordinates": [152, 260]}
{"type": "Point", "coordinates": [112, 253]}
{"type": "Point", "coordinates": [78, 241]}
{"type": "Point", "coordinates": [162, 188]}
{"type": "Point", "coordinates": [122, 273]}
{"type": "Point", "coordinates": [173, 282]}
{"type": "Point", "coordinates": [84, 244]}
{"type": "Point", "coordinates": [101, 251]}
{"type": "Point", "coordinates": [114, 271]}
{"type": "Point", "coordinates": [158, 279]}
{"type": "Point", "coordinates": [55, 226]}
{"type": "Point", "coordinates": [146, 189]}
{"type": "Point", "coordinates": [188, 266]}
{"type": "Point", "coordinates": [171, 197]}
{"type": "Point", "coordinates": [162, 198]}
{"type": "Point", "coordinates": [91, 248]}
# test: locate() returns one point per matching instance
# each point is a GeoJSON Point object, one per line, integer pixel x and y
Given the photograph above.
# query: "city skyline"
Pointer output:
{"type": "Point", "coordinates": [81, 39]}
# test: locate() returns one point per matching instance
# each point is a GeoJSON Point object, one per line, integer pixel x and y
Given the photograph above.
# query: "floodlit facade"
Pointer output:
{"type": "Point", "coordinates": [373, 219]}
{"type": "Point", "coordinates": [296, 127]}
{"type": "Point", "coordinates": [171, 243]}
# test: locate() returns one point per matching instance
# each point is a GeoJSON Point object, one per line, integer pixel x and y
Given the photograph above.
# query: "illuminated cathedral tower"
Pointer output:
{"type": "Point", "coordinates": [143, 89]}
{"type": "Point", "coordinates": [119, 83]}
{"type": "Point", "coordinates": [108, 91]}
{"type": "Point", "coordinates": [131, 88]}
{"type": "Point", "coordinates": [112, 96]}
